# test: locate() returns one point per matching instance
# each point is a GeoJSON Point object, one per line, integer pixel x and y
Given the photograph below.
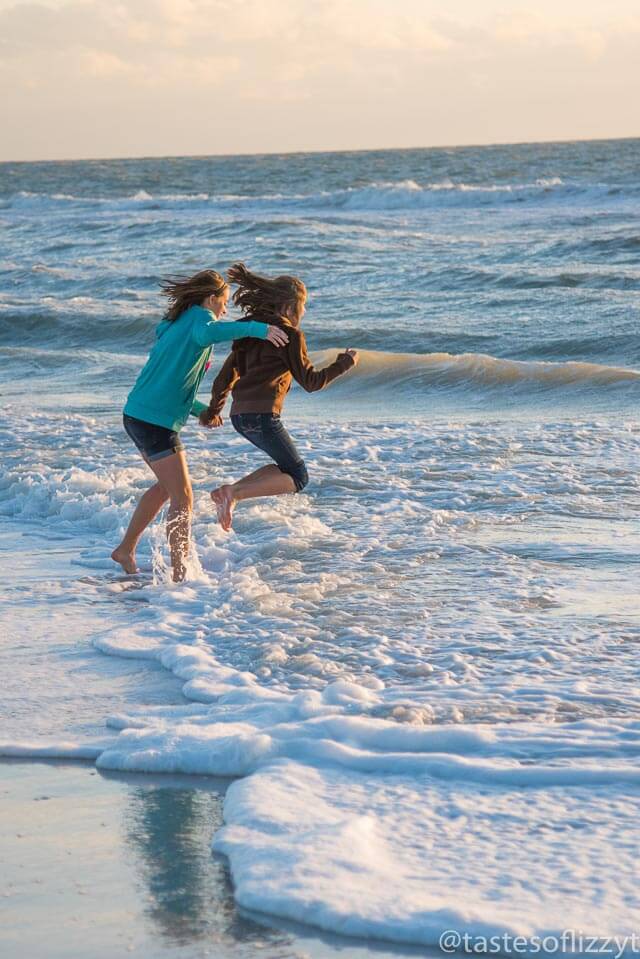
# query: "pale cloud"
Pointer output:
{"type": "Point", "coordinates": [532, 30]}
{"type": "Point", "coordinates": [382, 27]}
{"type": "Point", "coordinates": [98, 63]}
{"type": "Point", "coordinates": [311, 73]}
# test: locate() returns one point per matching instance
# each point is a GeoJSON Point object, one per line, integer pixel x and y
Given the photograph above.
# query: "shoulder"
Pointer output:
{"type": "Point", "coordinates": [197, 313]}
{"type": "Point", "coordinates": [296, 336]}
{"type": "Point", "coordinates": [196, 321]}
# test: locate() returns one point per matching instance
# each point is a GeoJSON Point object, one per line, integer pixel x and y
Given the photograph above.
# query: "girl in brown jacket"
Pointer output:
{"type": "Point", "coordinates": [259, 378]}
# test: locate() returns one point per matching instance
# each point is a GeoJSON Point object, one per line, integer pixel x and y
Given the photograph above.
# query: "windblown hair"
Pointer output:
{"type": "Point", "coordinates": [185, 291]}
{"type": "Point", "coordinates": [267, 297]}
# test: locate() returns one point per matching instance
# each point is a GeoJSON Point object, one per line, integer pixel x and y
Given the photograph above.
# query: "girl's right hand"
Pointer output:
{"type": "Point", "coordinates": [277, 336]}
{"type": "Point", "coordinates": [354, 355]}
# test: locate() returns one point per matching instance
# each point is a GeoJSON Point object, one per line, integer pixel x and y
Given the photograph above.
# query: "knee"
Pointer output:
{"type": "Point", "coordinates": [159, 493]}
{"type": "Point", "coordinates": [182, 500]}
{"type": "Point", "coordinates": [300, 476]}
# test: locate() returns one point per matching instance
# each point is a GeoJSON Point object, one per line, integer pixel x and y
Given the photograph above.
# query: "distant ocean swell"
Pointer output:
{"type": "Point", "coordinates": [376, 196]}
{"type": "Point", "coordinates": [127, 325]}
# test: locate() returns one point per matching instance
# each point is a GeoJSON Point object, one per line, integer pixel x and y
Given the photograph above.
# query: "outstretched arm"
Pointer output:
{"type": "Point", "coordinates": [305, 373]}
{"type": "Point", "coordinates": [206, 330]}
{"type": "Point", "coordinates": [222, 386]}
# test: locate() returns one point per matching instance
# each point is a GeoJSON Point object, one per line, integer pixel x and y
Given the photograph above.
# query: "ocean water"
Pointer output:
{"type": "Point", "coordinates": [424, 669]}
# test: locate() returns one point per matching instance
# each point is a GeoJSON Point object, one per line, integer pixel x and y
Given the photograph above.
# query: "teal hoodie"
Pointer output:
{"type": "Point", "coordinates": [168, 382]}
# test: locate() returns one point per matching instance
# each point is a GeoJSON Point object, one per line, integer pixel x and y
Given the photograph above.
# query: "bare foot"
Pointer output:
{"type": "Point", "coordinates": [126, 560]}
{"type": "Point", "coordinates": [224, 503]}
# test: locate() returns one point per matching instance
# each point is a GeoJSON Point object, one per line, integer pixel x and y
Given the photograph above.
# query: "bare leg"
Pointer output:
{"type": "Point", "coordinates": [145, 512]}
{"type": "Point", "coordinates": [266, 481]}
{"type": "Point", "coordinates": [173, 474]}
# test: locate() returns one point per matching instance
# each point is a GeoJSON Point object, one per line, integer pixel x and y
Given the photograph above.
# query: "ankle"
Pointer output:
{"type": "Point", "coordinates": [230, 490]}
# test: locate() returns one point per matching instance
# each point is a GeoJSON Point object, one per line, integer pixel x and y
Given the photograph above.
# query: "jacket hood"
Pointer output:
{"type": "Point", "coordinates": [280, 321]}
{"type": "Point", "coordinates": [162, 328]}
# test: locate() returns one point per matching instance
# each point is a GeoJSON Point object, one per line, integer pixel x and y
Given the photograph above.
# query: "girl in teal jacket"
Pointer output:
{"type": "Point", "coordinates": [160, 402]}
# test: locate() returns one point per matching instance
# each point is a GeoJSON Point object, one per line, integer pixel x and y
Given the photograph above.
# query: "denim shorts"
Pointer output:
{"type": "Point", "coordinates": [154, 442]}
{"type": "Point", "coordinates": [266, 432]}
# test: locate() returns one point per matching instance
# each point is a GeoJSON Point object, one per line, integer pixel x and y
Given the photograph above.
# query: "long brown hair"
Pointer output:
{"type": "Point", "coordinates": [268, 297]}
{"type": "Point", "coordinates": [185, 291]}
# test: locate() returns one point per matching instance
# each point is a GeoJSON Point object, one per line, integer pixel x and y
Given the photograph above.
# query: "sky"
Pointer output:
{"type": "Point", "coordinates": [116, 78]}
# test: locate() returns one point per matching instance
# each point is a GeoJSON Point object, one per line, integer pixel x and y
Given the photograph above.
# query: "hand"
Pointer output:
{"type": "Point", "coordinates": [354, 355]}
{"type": "Point", "coordinates": [209, 420]}
{"type": "Point", "coordinates": [277, 336]}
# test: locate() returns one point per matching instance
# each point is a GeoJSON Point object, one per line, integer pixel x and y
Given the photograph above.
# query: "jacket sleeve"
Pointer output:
{"type": "Point", "coordinates": [303, 370]}
{"type": "Point", "coordinates": [224, 383]}
{"type": "Point", "coordinates": [206, 330]}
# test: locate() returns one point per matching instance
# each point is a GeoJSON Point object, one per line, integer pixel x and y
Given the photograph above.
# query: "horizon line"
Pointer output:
{"type": "Point", "coordinates": [287, 153]}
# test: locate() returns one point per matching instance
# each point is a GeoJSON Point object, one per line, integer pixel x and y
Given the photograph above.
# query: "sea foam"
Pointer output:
{"type": "Point", "coordinates": [407, 734]}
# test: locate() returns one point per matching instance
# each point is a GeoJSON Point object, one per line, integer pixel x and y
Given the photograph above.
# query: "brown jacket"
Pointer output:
{"type": "Point", "coordinates": [260, 374]}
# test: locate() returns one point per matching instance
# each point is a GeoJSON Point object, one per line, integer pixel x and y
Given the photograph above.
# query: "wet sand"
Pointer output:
{"type": "Point", "coordinates": [100, 866]}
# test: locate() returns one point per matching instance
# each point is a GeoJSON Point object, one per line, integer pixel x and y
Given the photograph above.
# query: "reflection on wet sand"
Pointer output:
{"type": "Point", "coordinates": [169, 829]}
